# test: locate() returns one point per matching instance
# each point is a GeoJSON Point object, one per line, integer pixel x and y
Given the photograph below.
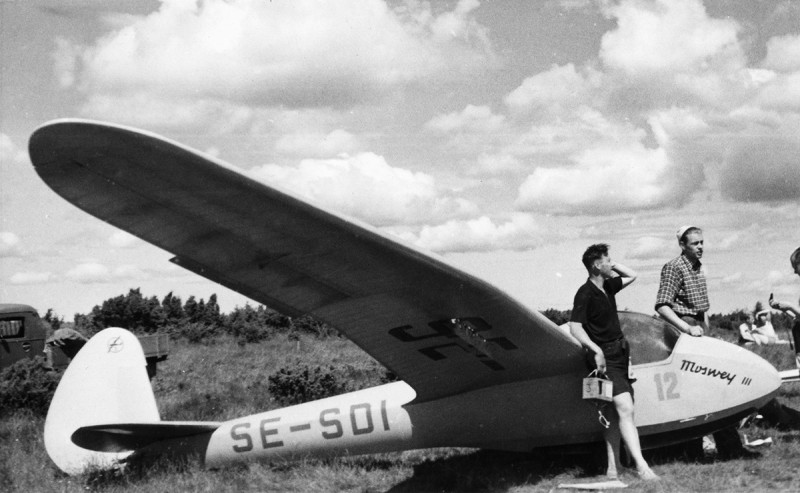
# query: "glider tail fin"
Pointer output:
{"type": "Point", "coordinates": [105, 383]}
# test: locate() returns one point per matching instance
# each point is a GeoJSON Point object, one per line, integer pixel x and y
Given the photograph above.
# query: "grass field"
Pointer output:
{"type": "Point", "coordinates": [223, 380]}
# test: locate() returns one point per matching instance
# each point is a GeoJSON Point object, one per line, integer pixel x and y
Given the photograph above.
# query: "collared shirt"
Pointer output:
{"type": "Point", "coordinates": [596, 310]}
{"type": "Point", "coordinates": [683, 287]}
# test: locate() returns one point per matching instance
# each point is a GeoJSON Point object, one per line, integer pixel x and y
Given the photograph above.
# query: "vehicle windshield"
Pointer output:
{"type": "Point", "coordinates": [651, 338]}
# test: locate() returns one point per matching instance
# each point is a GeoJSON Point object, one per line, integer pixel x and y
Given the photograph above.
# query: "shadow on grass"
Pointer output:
{"type": "Point", "coordinates": [138, 471]}
{"type": "Point", "coordinates": [487, 470]}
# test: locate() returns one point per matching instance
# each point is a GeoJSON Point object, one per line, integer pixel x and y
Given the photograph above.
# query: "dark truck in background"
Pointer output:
{"type": "Point", "coordinates": [23, 335]}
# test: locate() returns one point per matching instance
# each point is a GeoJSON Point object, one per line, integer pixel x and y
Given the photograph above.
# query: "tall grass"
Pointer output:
{"type": "Point", "coordinates": [225, 379]}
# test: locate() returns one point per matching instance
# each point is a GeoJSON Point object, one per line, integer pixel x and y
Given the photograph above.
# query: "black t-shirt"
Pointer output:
{"type": "Point", "coordinates": [597, 311]}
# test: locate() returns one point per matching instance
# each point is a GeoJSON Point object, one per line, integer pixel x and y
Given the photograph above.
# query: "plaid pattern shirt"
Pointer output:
{"type": "Point", "coordinates": [683, 287]}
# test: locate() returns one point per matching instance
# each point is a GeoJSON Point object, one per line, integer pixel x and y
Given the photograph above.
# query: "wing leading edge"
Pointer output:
{"type": "Point", "coordinates": [441, 330]}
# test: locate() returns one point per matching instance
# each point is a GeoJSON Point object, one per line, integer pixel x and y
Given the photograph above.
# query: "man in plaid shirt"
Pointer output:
{"type": "Point", "coordinates": [682, 298]}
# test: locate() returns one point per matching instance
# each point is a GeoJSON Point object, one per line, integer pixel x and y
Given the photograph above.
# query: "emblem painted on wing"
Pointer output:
{"type": "Point", "coordinates": [115, 345]}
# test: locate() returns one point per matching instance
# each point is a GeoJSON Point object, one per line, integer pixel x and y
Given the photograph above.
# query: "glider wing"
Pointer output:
{"type": "Point", "coordinates": [438, 328]}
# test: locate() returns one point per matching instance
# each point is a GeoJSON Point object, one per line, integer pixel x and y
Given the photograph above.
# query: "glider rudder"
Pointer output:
{"type": "Point", "coordinates": [105, 383]}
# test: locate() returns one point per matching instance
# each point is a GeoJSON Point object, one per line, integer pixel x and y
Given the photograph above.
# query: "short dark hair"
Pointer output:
{"type": "Point", "coordinates": [594, 252]}
{"type": "Point", "coordinates": [794, 258]}
{"type": "Point", "coordinates": [693, 229]}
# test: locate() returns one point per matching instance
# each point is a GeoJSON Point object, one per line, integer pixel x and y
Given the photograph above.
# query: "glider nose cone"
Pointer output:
{"type": "Point", "coordinates": [706, 382]}
{"type": "Point", "coordinates": [740, 377]}
{"type": "Point", "coordinates": [761, 380]}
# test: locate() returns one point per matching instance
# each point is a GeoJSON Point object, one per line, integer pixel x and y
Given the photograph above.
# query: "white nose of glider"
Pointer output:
{"type": "Point", "coordinates": [720, 378]}
{"type": "Point", "coordinates": [738, 375]}
{"type": "Point", "coordinates": [704, 380]}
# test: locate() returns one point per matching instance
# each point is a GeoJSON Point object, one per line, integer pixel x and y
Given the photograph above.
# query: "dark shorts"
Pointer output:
{"type": "Point", "coordinates": [617, 355]}
{"type": "Point", "coordinates": [796, 335]}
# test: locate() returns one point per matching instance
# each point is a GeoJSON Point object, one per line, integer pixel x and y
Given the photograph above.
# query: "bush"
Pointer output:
{"type": "Point", "coordinates": [309, 325]}
{"type": "Point", "coordinates": [252, 332]}
{"type": "Point", "coordinates": [27, 384]}
{"type": "Point", "coordinates": [194, 332]}
{"type": "Point", "coordinates": [303, 383]}
{"type": "Point", "coordinates": [558, 317]}
{"type": "Point", "coordinates": [132, 311]}
{"type": "Point", "coordinates": [250, 324]}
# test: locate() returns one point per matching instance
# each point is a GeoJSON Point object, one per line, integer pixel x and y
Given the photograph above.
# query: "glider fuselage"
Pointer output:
{"type": "Point", "coordinates": [704, 385]}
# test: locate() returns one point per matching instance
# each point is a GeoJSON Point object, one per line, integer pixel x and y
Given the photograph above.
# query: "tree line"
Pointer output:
{"type": "Point", "coordinates": [723, 321]}
{"type": "Point", "coordinates": [197, 320]}
{"type": "Point", "coordinates": [194, 320]}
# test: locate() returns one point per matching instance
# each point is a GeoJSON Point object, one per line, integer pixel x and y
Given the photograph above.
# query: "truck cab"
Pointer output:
{"type": "Point", "coordinates": [22, 334]}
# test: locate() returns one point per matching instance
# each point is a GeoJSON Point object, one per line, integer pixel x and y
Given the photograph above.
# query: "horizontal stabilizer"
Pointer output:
{"type": "Point", "coordinates": [126, 437]}
{"type": "Point", "coordinates": [790, 375]}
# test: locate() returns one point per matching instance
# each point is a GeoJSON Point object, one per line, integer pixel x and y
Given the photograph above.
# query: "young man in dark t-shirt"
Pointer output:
{"type": "Point", "coordinates": [595, 323]}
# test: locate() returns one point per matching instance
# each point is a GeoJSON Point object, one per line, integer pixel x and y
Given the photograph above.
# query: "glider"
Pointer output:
{"type": "Point", "coordinates": [477, 368]}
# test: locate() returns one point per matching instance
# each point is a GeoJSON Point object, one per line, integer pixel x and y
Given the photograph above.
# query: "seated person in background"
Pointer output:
{"type": "Point", "coordinates": [764, 328]}
{"type": "Point", "coordinates": [759, 329]}
{"type": "Point", "coordinates": [746, 331]}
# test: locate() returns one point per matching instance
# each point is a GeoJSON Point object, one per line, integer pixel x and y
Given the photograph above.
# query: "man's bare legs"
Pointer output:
{"type": "Point", "coordinates": [622, 426]}
{"type": "Point", "coordinates": [612, 438]}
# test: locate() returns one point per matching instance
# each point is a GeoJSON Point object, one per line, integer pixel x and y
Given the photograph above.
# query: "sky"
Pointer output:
{"type": "Point", "coordinates": [506, 136]}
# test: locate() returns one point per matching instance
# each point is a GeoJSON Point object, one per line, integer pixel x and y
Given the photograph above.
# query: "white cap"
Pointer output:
{"type": "Point", "coordinates": [679, 234]}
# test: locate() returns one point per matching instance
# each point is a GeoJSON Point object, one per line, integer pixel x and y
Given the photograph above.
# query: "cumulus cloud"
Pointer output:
{"type": "Point", "coordinates": [677, 124]}
{"type": "Point", "coordinates": [10, 153]}
{"type": "Point", "coordinates": [606, 179]}
{"type": "Point", "coordinates": [129, 272]}
{"type": "Point", "coordinates": [781, 283]}
{"type": "Point", "coordinates": [519, 232]}
{"type": "Point", "coordinates": [663, 35]}
{"type": "Point", "coordinates": [781, 93]}
{"type": "Point", "coordinates": [472, 118]}
{"type": "Point", "coordinates": [21, 278]}
{"type": "Point", "coordinates": [95, 272]}
{"type": "Point", "coordinates": [783, 53]}
{"type": "Point", "coordinates": [9, 245]}
{"type": "Point", "coordinates": [143, 108]}
{"type": "Point", "coordinates": [651, 247]}
{"type": "Point", "coordinates": [303, 53]}
{"type": "Point", "coordinates": [557, 89]}
{"type": "Point", "coordinates": [122, 239]}
{"type": "Point", "coordinates": [367, 187]}
{"type": "Point", "coordinates": [89, 272]}
{"type": "Point", "coordinates": [317, 144]}
{"type": "Point", "coordinates": [734, 278]}
{"type": "Point", "coordinates": [667, 37]}
{"type": "Point", "coordinates": [730, 241]}
{"type": "Point", "coordinates": [65, 60]}
{"type": "Point", "coordinates": [671, 105]}
{"type": "Point", "coordinates": [595, 146]}
{"type": "Point", "coordinates": [495, 164]}
{"type": "Point", "coordinates": [668, 106]}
